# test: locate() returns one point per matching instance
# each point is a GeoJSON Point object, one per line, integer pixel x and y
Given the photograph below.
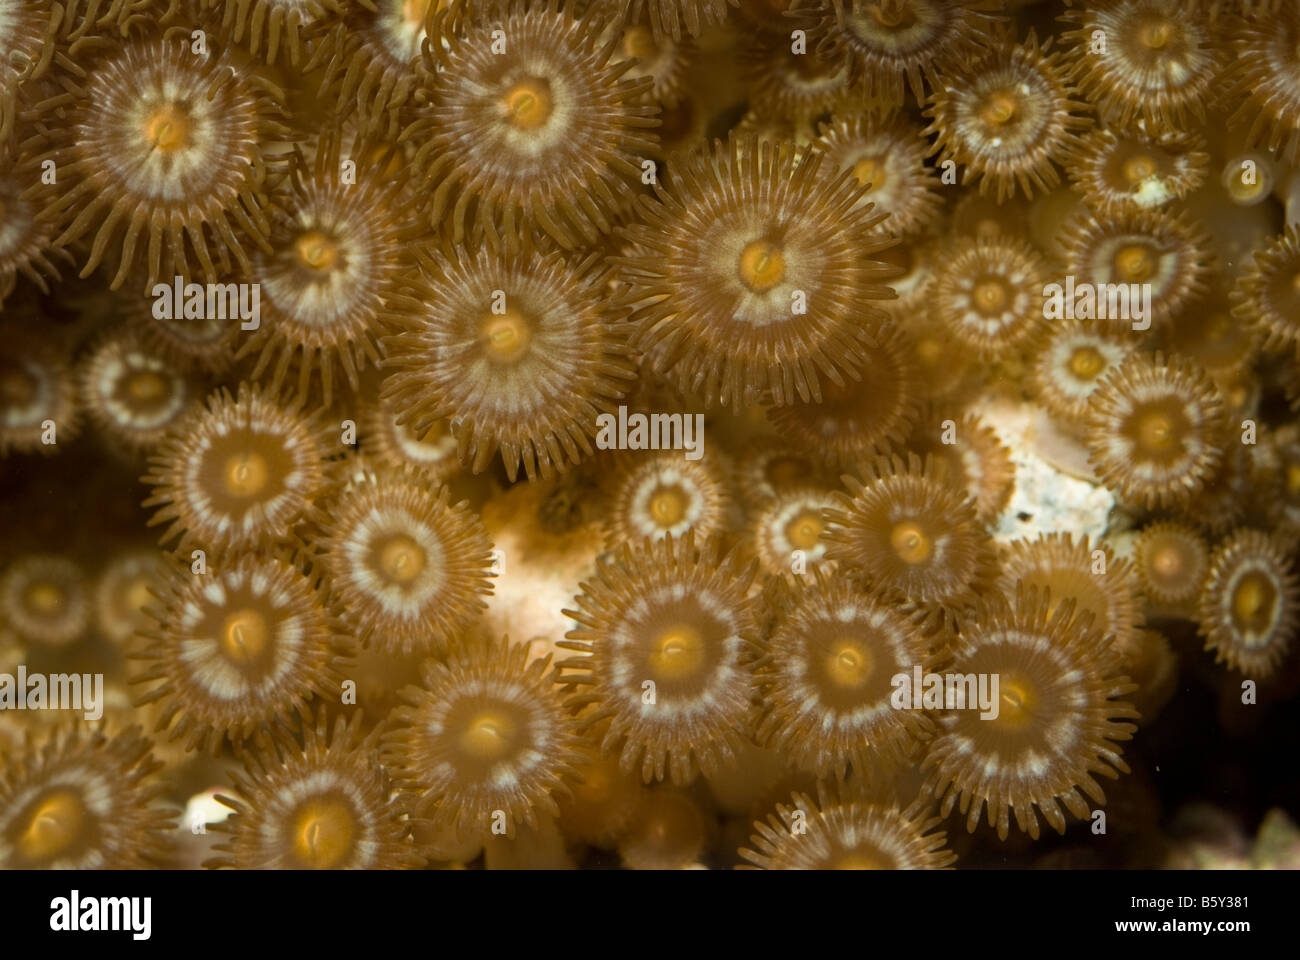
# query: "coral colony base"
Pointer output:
{"type": "Point", "coordinates": [689, 433]}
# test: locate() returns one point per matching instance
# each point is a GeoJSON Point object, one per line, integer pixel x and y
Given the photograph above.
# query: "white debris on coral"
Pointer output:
{"type": "Point", "coordinates": [1152, 192]}
{"type": "Point", "coordinates": [1051, 493]}
{"type": "Point", "coordinates": [203, 809]}
{"type": "Point", "coordinates": [194, 841]}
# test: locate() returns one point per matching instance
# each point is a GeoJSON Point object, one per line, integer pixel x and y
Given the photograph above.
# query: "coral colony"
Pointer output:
{"type": "Point", "coordinates": [659, 434]}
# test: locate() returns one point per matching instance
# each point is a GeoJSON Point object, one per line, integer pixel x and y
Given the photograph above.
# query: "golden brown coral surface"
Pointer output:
{"type": "Point", "coordinates": [532, 433]}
